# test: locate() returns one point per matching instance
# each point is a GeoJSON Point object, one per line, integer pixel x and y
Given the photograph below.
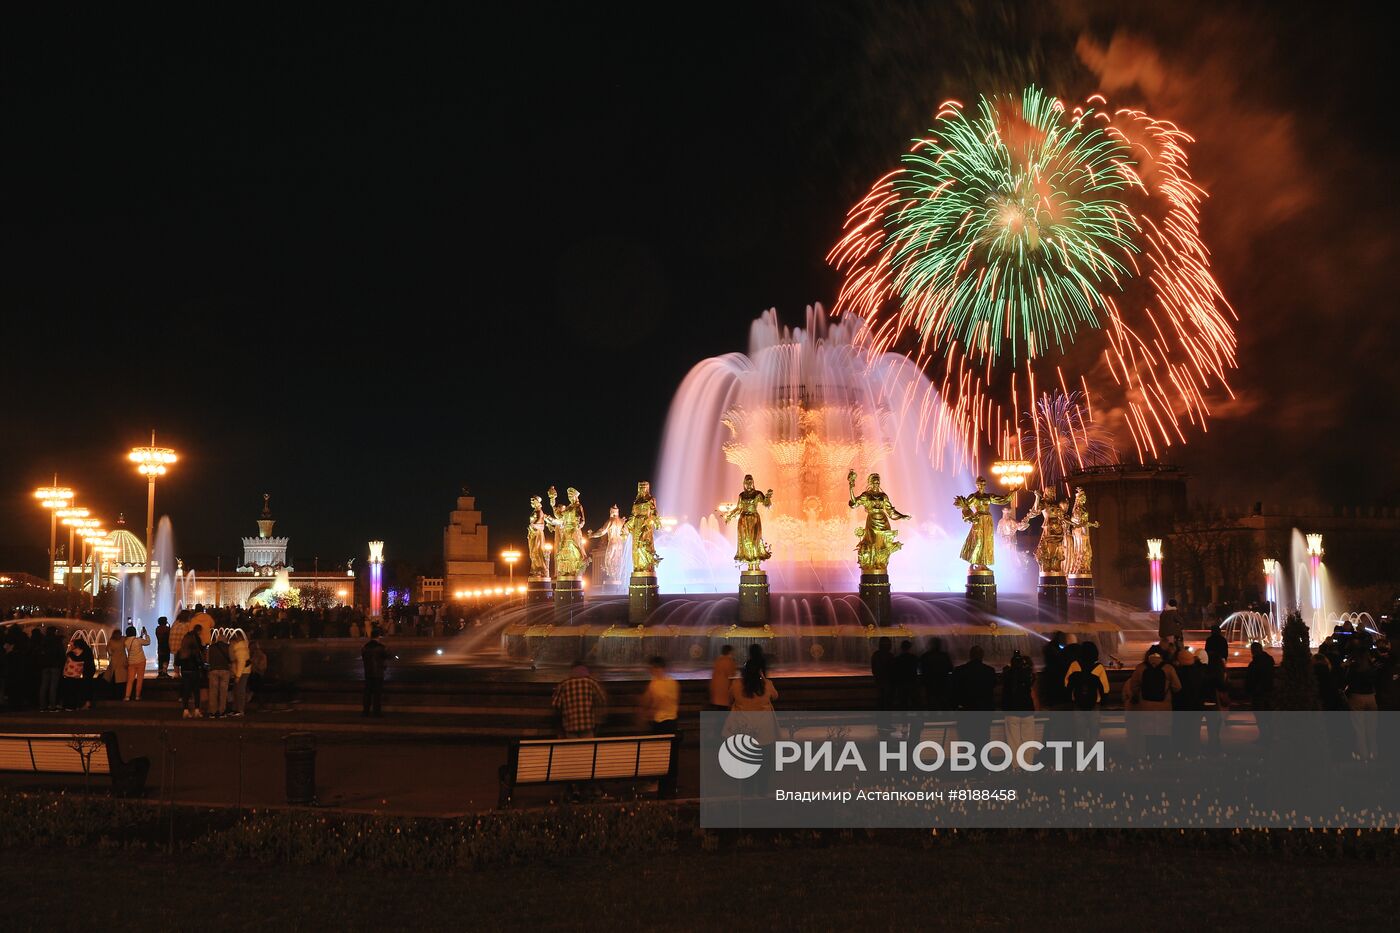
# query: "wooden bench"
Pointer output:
{"type": "Point", "coordinates": [577, 761]}
{"type": "Point", "coordinates": [64, 753]}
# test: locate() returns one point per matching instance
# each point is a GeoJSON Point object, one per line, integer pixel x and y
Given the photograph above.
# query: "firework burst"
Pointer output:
{"type": "Point", "coordinates": [1062, 438]}
{"type": "Point", "coordinates": [1026, 240]}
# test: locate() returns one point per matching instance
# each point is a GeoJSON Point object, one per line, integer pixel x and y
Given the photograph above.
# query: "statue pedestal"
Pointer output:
{"type": "Point", "coordinates": [982, 587]}
{"type": "Point", "coordinates": [875, 593]}
{"type": "Point", "coordinates": [567, 592]}
{"type": "Point", "coordinates": [1080, 585]}
{"type": "Point", "coordinates": [539, 590]}
{"type": "Point", "coordinates": [1054, 606]}
{"type": "Point", "coordinates": [753, 598]}
{"type": "Point", "coordinates": [643, 597]}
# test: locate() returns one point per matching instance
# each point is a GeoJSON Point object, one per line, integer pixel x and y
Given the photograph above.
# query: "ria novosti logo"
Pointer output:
{"type": "Point", "coordinates": [740, 756]}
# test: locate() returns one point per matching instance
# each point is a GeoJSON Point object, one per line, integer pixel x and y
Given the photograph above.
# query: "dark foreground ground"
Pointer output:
{"type": "Point", "coordinates": [1005, 883]}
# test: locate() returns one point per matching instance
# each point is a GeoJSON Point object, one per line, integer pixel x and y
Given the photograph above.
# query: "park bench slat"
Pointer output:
{"type": "Point", "coordinates": [572, 763]}
{"type": "Point", "coordinates": [655, 758]}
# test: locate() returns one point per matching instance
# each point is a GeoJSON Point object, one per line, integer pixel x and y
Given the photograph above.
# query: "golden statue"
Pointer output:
{"type": "Point", "coordinates": [878, 540]}
{"type": "Point", "coordinates": [979, 548]}
{"type": "Point", "coordinates": [569, 545]}
{"type": "Point", "coordinates": [1081, 549]}
{"type": "Point", "coordinates": [752, 550]}
{"type": "Point", "coordinates": [642, 527]}
{"type": "Point", "coordinates": [1050, 552]}
{"type": "Point", "coordinates": [615, 533]}
{"type": "Point", "coordinates": [534, 538]}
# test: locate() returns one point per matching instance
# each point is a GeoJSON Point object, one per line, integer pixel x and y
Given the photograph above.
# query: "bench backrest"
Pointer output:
{"type": "Point", "coordinates": [541, 761]}
{"type": "Point", "coordinates": [52, 753]}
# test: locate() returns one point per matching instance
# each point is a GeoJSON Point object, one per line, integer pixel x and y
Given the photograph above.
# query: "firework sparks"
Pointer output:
{"type": "Point", "coordinates": [1027, 239]}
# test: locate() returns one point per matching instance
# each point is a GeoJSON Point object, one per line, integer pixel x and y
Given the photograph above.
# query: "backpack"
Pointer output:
{"type": "Point", "coordinates": [1154, 684]}
{"type": "Point", "coordinates": [1085, 689]}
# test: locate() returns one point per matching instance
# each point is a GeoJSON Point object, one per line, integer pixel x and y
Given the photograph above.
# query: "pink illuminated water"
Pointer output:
{"type": "Point", "coordinates": [798, 410]}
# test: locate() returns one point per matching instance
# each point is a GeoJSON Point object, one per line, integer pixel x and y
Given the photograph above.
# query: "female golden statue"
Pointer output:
{"type": "Point", "coordinates": [615, 533]}
{"type": "Point", "coordinates": [642, 527]}
{"type": "Point", "coordinates": [1081, 550]}
{"type": "Point", "coordinates": [878, 540]}
{"type": "Point", "coordinates": [978, 549]}
{"type": "Point", "coordinates": [569, 546]}
{"type": "Point", "coordinates": [1050, 552]}
{"type": "Point", "coordinates": [534, 539]}
{"type": "Point", "coordinates": [752, 550]}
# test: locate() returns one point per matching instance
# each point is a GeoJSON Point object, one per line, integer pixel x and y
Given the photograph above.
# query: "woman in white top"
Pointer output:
{"type": "Point", "coordinates": [135, 661]}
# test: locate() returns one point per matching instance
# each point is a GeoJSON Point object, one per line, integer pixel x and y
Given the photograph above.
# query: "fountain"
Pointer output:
{"type": "Point", "coordinates": [798, 411]}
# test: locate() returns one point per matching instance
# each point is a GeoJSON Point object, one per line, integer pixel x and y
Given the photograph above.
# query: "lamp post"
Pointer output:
{"type": "Point", "coordinates": [71, 517]}
{"type": "Point", "coordinates": [92, 533]}
{"type": "Point", "coordinates": [1013, 474]}
{"type": "Point", "coordinates": [151, 462]}
{"type": "Point", "coordinates": [1314, 567]}
{"type": "Point", "coordinates": [1271, 587]}
{"type": "Point", "coordinates": [1154, 557]}
{"type": "Point", "coordinates": [53, 498]}
{"type": "Point", "coordinates": [510, 556]}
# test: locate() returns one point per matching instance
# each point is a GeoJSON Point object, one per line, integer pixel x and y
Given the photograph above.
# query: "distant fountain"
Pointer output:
{"type": "Point", "coordinates": [146, 596]}
{"type": "Point", "coordinates": [798, 411]}
{"type": "Point", "coordinates": [1241, 628]}
{"type": "Point", "coordinates": [1312, 591]}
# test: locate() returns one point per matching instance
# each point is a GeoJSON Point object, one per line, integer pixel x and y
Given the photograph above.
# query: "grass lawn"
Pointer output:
{"type": "Point", "coordinates": [996, 884]}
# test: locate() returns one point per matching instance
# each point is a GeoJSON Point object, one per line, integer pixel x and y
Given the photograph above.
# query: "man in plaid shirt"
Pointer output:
{"type": "Point", "coordinates": [581, 701]}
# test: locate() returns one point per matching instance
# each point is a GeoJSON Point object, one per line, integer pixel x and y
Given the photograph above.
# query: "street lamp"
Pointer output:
{"type": "Point", "coordinates": [70, 516]}
{"type": "Point", "coordinates": [1013, 474]}
{"type": "Point", "coordinates": [1315, 553]}
{"type": "Point", "coordinates": [92, 533]}
{"type": "Point", "coordinates": [510, 556]}
{"type": "Point", "coordinates": [53, 498]}
{"type": "Point", "coordinates": [151, 462]}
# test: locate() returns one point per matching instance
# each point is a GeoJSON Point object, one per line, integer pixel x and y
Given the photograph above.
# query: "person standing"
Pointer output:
{"type": "Point", "coordinates": [178, 631]}
{"type": "Point", "coordinates": [375, 657]}
{"type": "Point", "coordinates": [882, 670]}
{"type": "Point", "coordinates": [1018, 702]}
{"type": "Point", "coordinates": [189, 664]}
{"type": "Point", "coordinates": [135, 662]}
{"type": "Point", "coordinates": [162, 648]}
{"type": "Point", "coordinates": [581, 703]}
{"type": "Point", "coordinates": [1169, 626]}
{"type": "Point", "coordinates": [1361, 698]}
{"type": "Point", "coordinates": [78, 668]}
{"type": "Point", "coordinates": [974, 695]}
{"type": "Point", "coordinates": [1217, 646]}
{"type": "Point", "coordinates": [661, 701]}
{"type": "Point", "coordinates": [906, 676]}
{"type": "Point", "coordinates": [50, 671]}
{"type": "Point", "coordinates": [116, 661]}
{"type": "Point", "coordinates": [1148, 693]}
{"type": "Point", "coordinates": [720, 676]}
{"type": "Point", "coordinates": [240, 666]}
{"type": "Point", "coordinates": [220, 673]}
{"type": "Point", "coordinates": [935, 667]}
{"type": "Point", "coordinates": [1086, 682]}
{"type": "Point", "coordinates": [1259, 686]}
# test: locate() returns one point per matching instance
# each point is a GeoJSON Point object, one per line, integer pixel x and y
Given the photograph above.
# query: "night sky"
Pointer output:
{"type": "Point", "coordinates": [358, 264]}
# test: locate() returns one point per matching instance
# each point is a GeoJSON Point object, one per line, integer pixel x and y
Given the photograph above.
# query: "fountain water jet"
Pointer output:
{"type": "Point", "coordinates": [797, 411]}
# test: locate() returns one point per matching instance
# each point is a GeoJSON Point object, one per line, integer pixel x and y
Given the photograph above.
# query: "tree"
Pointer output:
{"type": "Point", "coordinates": [1297, 685]}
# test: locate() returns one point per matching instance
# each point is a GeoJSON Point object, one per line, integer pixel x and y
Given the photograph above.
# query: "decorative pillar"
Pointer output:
{"type": "Point", "coordinates": [753, 597]}
{"type": "Point", "coordinates": [376, 577]}
{"type": "Point", "coordinates": [1154, 558]}
{"type": "Point", "coordinates": [1314, 575]}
